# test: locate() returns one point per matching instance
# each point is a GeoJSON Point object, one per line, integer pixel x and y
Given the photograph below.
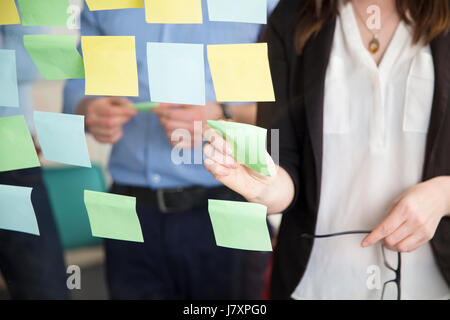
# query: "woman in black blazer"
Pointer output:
{"type": "Point", "coordinates": [311, 44]}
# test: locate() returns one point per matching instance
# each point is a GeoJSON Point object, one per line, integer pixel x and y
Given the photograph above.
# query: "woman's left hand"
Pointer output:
{"type": "Point", "coordinates": [414, 217]}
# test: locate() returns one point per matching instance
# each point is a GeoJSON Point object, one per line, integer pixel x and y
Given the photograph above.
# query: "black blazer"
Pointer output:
{"type": "Point", "coordinates": [298, 113]}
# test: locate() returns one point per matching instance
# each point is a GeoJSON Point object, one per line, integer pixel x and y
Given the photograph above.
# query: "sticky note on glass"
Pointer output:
{"type": "Point", "coordinates": [9, 92]}
{"type": "Point", "coordinates": [250, 11]}
{"type": "Point", "coordinates": [145, 106]}
{"type": "Point", "coordinates": [173, 11]}
{"type": "Point", "coordinates": [44, 12]}
{"type": "Point", "coordinates": [241, 72]}
{"type": "Point", "coordinates": [94, 5]}
{"type": "Point", "coordinates": [110, 65]}
{"type": "Point", "coordinates": [248, 143]}
{"type": "Point", "coordinates": [113, 216]}
{"type": "Point", "coordinates": [17, 213]}
{"type": "Point", "coordinates": [55, 56]}
{"type": "Point", "coordinates": [62, 138]}
{"type": "Point", "coordinates": [8, 12]}
{"type": "Point", "coordinates": [176, 73]}
{"type": "Point", "coordinates": [17, 149]}
{"type": "Point", "coordinates": [240, 225]}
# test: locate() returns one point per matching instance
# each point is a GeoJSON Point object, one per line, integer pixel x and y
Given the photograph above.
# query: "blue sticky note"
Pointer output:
{"type": "Point", "coordinates": [176, 73]}
{"type": "Point", "coordinates": [9, 93]}
{"type": "Point", "coordinates": [249, 11]}
{"type": "Point", "coordinates": [17, 213]}
{"type": "Point", "coordinates": [62, 138]}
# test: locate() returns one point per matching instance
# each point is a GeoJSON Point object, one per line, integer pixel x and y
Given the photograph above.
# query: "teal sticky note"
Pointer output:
{"type": "Point", "coordinates": [240, 225]}
{"type": "Point", "coordinates": [17, 213]}
{"type": "Point", "coordinates": [62, 138]}
{"type": "Point", "coordinates": [45, 12]}
{"type": "Point", "coordinates": [17, 149]}
{"type": "Point", "coordinates": [248, 143]}
{"type": "Point", "coordinates": [9, 93]}
{"type": "Point", "coordinates": [113, 216]}
{"type": "Point", "coordinates": [250, 11]}
{"type": "Point", "coordinates": [55, 56]}
{"type": "Point", "coordinates": [176, 73]}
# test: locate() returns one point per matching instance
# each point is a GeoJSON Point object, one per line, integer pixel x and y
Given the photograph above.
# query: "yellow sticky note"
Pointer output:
{"type": "Point", "coordinates": [173, 11]}
{"type": "Point", "coordinates": [110, 65]}
{"type": "Point", "coordinates": [94, 5]}
{"type": "Point", "coordinates": [241, 72]}
{"type": "Point", "coordinates": [8, 12]}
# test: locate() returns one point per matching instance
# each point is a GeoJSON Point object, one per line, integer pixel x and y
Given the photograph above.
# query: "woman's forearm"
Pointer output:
{"type": "Point", "coordinates": [277, 195]}
{"type": "Point", "coordinates": [446, 184]}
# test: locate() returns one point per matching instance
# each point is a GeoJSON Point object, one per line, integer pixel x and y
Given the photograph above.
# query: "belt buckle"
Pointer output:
{"type": "Point", "coordinates": [161, 201]}
{"type": "Point", "coordinates": [162, 206]}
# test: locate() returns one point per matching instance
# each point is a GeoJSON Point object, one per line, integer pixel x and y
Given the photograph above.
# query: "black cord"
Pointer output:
{"type": "Point", "coordinates": [311, 236]}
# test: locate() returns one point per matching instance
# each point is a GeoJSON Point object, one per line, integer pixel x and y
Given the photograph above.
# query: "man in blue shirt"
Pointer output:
{"type": "Point", "coordinates": [33, 266]}
{"type": "Point", "coordinates": [179, 258]}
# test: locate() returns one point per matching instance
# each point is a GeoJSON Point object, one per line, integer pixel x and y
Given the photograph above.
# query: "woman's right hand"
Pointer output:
{"type": "Point", "coordinates": [243, 180]}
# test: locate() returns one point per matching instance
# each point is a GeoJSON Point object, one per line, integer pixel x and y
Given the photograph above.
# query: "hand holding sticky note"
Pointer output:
{"type": "Point", "coordinates": [240, 225]}
{"type": "Point", "coordinates": [248, 143]}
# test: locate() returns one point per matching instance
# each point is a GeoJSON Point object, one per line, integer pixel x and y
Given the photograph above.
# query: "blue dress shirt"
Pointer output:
{"type": "Point", "coordinates": [143, 156]}
{"type": "Point", "coordinates": [11, 38]}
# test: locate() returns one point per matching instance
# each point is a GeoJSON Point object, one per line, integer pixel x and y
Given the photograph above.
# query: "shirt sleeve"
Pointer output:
{"type": "Point", "coordinates": [280, 115]}
{"type": "Point", "coordinates": [12, 39]}
{"type": "Point", "coordinates": [74, 90]}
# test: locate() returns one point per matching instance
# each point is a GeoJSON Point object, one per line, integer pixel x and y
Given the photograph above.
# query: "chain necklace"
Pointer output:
{"type": "Point", "coordinates": [374, 43]}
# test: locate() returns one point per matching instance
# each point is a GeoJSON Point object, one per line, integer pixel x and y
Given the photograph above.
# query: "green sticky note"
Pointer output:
{"type": "Point", "coordinates": [55, 56]}
{"type": "Point", "coordinates": [45, 12]}
{"type": "Point", "coordinates": [145, 106]}
{"type": "Point", "coordinates": [248, 143]}
{"type": "Point", "coordinates": [240, 225]}
{"type": "Point", "coordinates": [113, 216]}
{"type": "Point", "coordinates": [17, 149]}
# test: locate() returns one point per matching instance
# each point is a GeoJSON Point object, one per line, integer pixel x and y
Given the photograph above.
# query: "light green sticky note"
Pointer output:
{"type": "Point", "coordinates": [240, 225]}
{"type": "Point", "coordinates": [17, 149]}
{"type": "Point", "coordinates": [145, 106]}
{"type": "Point", "coordinates": [248, 142]}
{"type": "Point", "coordinates": [45, 12]}
{"type": "Point", "coordinates": [113, 216]}
{"type": "Point", "coordinates": [55, 56]}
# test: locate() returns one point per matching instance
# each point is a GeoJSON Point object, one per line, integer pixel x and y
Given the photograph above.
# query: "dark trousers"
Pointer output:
{"type": "Point", "coordinates": [33, 266]}
{"type": "Point", "coordinates": [179, 258]}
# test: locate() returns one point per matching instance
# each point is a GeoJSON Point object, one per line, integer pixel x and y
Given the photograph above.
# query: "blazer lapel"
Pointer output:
{"type": "Point", "coordinates": [315, 62]}
{"type": "Point", "coordinates": [440, 48]}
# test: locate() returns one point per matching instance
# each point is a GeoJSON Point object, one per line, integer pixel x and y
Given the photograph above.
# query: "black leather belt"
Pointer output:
{"type": "Point", "coordinates": [176, 199]}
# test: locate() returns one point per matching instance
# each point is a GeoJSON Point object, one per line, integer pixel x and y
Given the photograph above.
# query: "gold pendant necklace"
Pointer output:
{"type": "Point", "coordinates": [374, 44]}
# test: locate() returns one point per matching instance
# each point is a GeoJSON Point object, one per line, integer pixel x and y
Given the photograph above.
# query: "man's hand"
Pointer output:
{"type": "Point", "coordinates": [105, 117]}
{"type": "Point", "coordinates": [173, 117]}
{"type": "Point", "coordinates": [414, 217]}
